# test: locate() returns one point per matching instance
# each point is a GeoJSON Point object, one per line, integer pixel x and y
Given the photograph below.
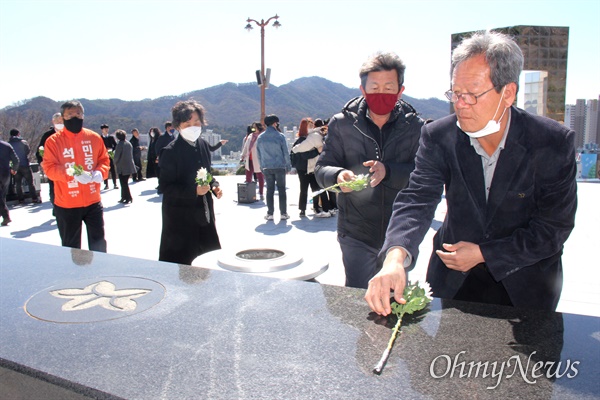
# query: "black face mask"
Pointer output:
{"type": "Point", "coordinates": [74, 124]}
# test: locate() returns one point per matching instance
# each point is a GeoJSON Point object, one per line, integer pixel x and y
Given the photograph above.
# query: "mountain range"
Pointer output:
{"type": "Point", "coordinates": [230, 107]}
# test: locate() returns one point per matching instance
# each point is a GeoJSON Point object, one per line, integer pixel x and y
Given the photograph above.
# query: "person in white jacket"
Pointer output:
{"type": "Point", "coordinates": [314, 140]}
{"type": "Point", "coordinates": [250, 157]}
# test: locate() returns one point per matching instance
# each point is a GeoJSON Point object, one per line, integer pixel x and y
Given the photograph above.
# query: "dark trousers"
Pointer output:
{"type": "Point", "coordinates": [4, 184]}
{"type": "Point", "coordinates": [158, 176]}
{"type": "Point", "coordinates": [307, 180]}
{"type": "Point", "coordinates": [25, 172]}
{"type": "Point", "coordinates": [113, 174]}
{"type": "Point", "coordinates": [125, 193]}
{"type": "Point", "coordinates": [69, 222]}
{"type": "Point", "coordinates": [51, 191]}
{"type": "Point", "coordinates": [332, 196]}
{"type": "Point", "coordinates": [272, 176]}
{"type": "Point", "coordinates": [361, 261]}
{"type": "Point", "coordinates": [479, 286]}
{"type": "Point", "coordinates": [137, 160]}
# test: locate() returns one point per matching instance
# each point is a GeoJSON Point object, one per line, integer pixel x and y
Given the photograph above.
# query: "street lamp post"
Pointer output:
{"type": "Point", "coordinates": [262, 25]}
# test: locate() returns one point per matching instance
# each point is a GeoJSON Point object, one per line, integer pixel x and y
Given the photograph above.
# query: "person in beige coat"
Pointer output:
{"type": "Point", "coordinates": [313, 140]}
{"type": "Point", "coordinates": [250, 157]}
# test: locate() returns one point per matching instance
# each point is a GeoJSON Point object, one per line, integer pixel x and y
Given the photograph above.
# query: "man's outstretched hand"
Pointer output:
{"type": "Point", "coordinates": [391, 277]}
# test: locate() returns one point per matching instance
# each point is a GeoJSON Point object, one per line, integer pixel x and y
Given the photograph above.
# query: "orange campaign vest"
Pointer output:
{"type": "Point", "coordinates": [64, 149]}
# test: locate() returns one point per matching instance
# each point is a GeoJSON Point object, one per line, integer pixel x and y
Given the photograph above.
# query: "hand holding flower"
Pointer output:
{"type": "Point", "coordinates": [347, 182]}
{"type": "Point", "coordinates": [392, 276]}
{"type": "Point", "coordinates": [202, 190]}
{"type": "Point", "coordinates": [81, 176]}
{"type": "Point", "coordinates": [203, 180]}
{"type": "Point", "coordinates": [344, 177]}
{"type": "Point", "coordinates": [417, 298]}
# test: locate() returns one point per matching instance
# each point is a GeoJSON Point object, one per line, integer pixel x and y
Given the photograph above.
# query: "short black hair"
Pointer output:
{"type": "Point", "coordinates": [184, 110]}
{"type": "Point", "coordinates": [271, 119]}
{"type": "Point", "coordinates": [14, 132]}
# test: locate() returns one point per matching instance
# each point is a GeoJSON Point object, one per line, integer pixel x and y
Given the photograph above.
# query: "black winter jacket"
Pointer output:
{"type": "Point", "coordinates": [353, 139]}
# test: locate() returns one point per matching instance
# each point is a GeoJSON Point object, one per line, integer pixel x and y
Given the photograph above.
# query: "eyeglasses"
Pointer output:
{"type": "Point", "coordinates": [468, 98]}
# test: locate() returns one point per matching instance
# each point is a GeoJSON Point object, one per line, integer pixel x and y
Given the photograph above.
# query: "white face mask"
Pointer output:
{"type": "Point", "coordinates": [492, 125]}
{"type": "Point", "coordinates": [58, 127]}
{"type": "Point", "coordinates": [191, 133]}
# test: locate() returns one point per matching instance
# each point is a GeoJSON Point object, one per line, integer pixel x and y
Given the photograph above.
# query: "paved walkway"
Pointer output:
{"type": "Point", "coordinates": [134, 230]}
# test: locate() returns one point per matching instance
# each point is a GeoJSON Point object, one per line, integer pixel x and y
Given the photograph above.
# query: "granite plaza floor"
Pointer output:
{"type": "Point", "coordinates": [134, 230]}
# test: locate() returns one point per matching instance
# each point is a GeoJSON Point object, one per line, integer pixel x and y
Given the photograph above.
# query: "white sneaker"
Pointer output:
{"type": "Point", "coordinates": [323, 214]}
{"type": "Point", "coordinates": [283, 216]}
{"type": "Point", "coordinates": [269, 217]}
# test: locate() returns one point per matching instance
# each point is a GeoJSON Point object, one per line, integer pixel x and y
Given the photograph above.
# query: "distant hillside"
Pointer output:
{"type": "Point", "coordinates": [230, 107]}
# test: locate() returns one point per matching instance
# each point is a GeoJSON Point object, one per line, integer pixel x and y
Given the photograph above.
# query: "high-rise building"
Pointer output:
{"type": "Point", "coordinates": [582, 117]}
{"type": "Point", "coordinates": [592, 128]}
{"type": "Point", "coordinates": [578, 119]}
{"type": "Point", "coordinates": [545, 48]}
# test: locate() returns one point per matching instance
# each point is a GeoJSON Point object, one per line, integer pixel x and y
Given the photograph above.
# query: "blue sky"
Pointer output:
{"type": "Point", "coordinates": [136, 49]}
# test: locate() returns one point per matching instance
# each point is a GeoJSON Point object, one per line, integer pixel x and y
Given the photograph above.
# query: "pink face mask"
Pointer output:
{"type": "Point", "coordinates": [381, 103]}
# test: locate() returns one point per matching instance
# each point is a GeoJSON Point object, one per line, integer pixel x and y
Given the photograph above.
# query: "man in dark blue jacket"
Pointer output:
{"type": "Point", "coordinates": [7, 157]}
{"type": "Point", "coordinates": [376, 134]}
{"type": "Point", "coordinates": [511, 193]}
{"type": "Point", "coordinates": [24, 171]}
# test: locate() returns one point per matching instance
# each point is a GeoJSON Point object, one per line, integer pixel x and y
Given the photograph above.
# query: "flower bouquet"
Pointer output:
{"type": "Point", "coordinates": [41, 151]}
{"type": "Point", "coordinates": [417, 299]}
{"type": "Point", "coordinates": [359, 183]}
{"type": "Point", "coordinates": [76, 170]}
{"type": "Point", "coordinates": [203, 178]}
{"type": "Point", "coordinates": [111, 154]}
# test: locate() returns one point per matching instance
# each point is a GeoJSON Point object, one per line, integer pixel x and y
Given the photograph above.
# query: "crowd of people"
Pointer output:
{"type": "Point", "coordinates": [508, 178]}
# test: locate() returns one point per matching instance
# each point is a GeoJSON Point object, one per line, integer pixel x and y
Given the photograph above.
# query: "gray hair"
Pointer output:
{"type": "Point", "coordinates": [56, 116]}
{"type": "Point", "coordinates": [71, 104]}
{"type": "Point", "coordinates": [501, 52]}
{"type": "Point", "coordinates": [382, 62]}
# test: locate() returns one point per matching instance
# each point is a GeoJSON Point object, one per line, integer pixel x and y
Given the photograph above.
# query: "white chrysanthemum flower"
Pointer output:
{"type": "Point", "coordinates": [201, 175]}
{"type": "Point", "coordinates": [70, 171]}
{"type": "Point", "coordinates": [427, 288]}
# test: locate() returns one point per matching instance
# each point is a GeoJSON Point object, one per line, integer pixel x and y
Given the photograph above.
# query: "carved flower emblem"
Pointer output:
{"type": "Point", "coordinates": [102, 294]}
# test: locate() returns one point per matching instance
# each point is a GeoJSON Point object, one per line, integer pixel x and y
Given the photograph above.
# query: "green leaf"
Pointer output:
{"type": "Point", "coordinates": [416, 300]}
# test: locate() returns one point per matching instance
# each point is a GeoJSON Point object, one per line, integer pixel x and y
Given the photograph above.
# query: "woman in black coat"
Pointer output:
{"type": "Point", "coordinates": [188, 215]}
{"type": "Point", "coordinates": [153, 135]}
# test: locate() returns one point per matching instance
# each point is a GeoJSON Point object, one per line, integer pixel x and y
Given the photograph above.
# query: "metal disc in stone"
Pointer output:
{"type": "Point", "coordinates": [259, 260]}
{"type": "Point", "coordinates": [95, 299]}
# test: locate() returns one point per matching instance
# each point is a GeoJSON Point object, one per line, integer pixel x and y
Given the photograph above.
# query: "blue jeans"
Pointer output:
{"type": "Point", "coordinates": [271, 176]}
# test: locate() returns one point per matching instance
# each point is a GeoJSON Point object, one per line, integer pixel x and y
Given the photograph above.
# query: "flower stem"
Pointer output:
{"type": "Point", "coordinates": [386, 354]}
